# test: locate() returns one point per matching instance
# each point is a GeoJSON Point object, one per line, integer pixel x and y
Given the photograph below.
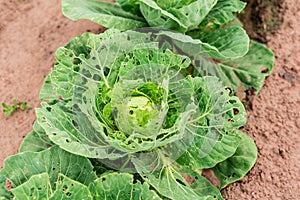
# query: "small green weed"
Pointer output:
{"type": "Point", "coordinates": [8, 110]}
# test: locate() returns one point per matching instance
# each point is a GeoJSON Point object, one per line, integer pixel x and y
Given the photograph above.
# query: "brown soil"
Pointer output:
{"type": "Point", "coordinates": [31, 31]}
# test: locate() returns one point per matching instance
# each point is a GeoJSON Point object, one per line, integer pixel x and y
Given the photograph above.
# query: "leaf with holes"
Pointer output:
{"type": "Point", "coordinates": [223, 12]}
{"type": "Point", "coordinates": [181, 184]}
{"type": "Point", "coordinates": [19, 168]}
{"type": "Point", "coordinates": [121, 186]}
{"type": "Point", "coordinates": [242, 73]}
{"type": "Point", "coordinates": [236, 167]}
{"type": "Point", "coordinates": [107, 14]}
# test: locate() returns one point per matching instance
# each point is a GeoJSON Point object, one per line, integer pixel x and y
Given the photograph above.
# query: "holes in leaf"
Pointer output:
{"type": "Point", "coordinates": [67, 140]}
{"type": "Point", "coordinates": [106, 71]}
{"type": "Point", "coordinates": [131, 112]}
{"type": "Point", "coordinates": [230, 90]}
{"type": "Point", "coordinates": [97, 67]}
{"type": "Point", "coordinates": [220, 137]}
{"type": "Point", "coordinates": [53, 168]}
{"type": "Point", "coordinates": [264, 70]}
{"type": "Point", "coordinates": [94, 58]}
{"type": "Point", "coordinates": [233, 175]}
{"type": "Point", "coordinates": [232, 101]}
{"type": "Point", "coordinates": [105, 131]}
{"type": "Point", "coordinates": [180, 182]}
{"type": "Point", "coordinates": [69, 194]}
{"type": "Point", "coordinates": [236, 111]}
{"type": "Point", "coordinates": [163, 18]}
{"type": "Point", "coordinates": [103, 179]}
{"type": "Point", "coordinates": [65, 188]}
{"type": "Point", "coordinates": [31, 192]}
{"type": "Point", "coordinates": [140, 141]}
{"type": "Point", "coordinates": [230, 120]}
{"type": "Point", "coordinates": [75, 123]}
{"type": "Point", "coordinates": [96, 77]}
{"type": "Point", "coordinates": [8, 185]}
{"type": "Point", "coordinates": [54, 134]}
{"type": "Point", "coordinates": [76, 68]}
{"type": "Point", "coordinates": [48, 109]}
{"type": "Point", "coordinates": [76, 61]}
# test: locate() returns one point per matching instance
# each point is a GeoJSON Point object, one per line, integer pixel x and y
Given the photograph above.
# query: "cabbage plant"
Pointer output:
{"type": "Point", "coordinates": [210, 26]}
{"type": "Point", "coordinates": [124, 117]}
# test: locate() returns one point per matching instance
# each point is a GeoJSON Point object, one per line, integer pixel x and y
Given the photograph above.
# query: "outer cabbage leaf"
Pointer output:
{"type": "Point", "coordinates": [32, 142]}
{"type": "Point", "coordinates": [67, 188]}
{"type": "Point", "coordinates": [107, 14]}
{"type": "Point", "coordinates": [251, 70]}
{"type": "Point", "coordinates": [191, 14]}
{"type": "Point", "coordinates": [216, 140]}
{"type": "Point", "coordinates": [19, 168]}
{"type": "Point", "coordinates": [176, 15]}
{"type": "Point", "coordinates": [158, 17]}
{"type": "Point", "coordinates": [204, 187]}
{"type": "Point", "coordinates": [223, 11]}
{"type": "Point", "coordinates": [227, 43]}
{"type": "Point", "coordinates": [39, 187]}
{"type": "Point", "coordinates": [42, 134]}
{"type": "Point", "coordinates": [171, 183]}
{"type": "Point", "coordinates": [117, 186]}
{"type": "Point", "coordinates": [232, 42]}
{"type": "Point", "coordinates": [67, 62]}
{"type": "Point", "coordinates": [246, 72]}
{"type": "Point", "coordinates": [237, 166]}
{"type": "Point", "coordinates": [208, 150]}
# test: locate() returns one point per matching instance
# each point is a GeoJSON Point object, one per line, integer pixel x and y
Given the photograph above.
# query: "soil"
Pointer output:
{"type": "Point", "coordinates": [31, 31]}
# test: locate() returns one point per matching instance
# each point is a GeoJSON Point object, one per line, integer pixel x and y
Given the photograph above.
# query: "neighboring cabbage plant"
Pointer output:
{"type": "Point", "coordinates": [210, 26]}
{"type": "Point", "coordinates": [124, 117]}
